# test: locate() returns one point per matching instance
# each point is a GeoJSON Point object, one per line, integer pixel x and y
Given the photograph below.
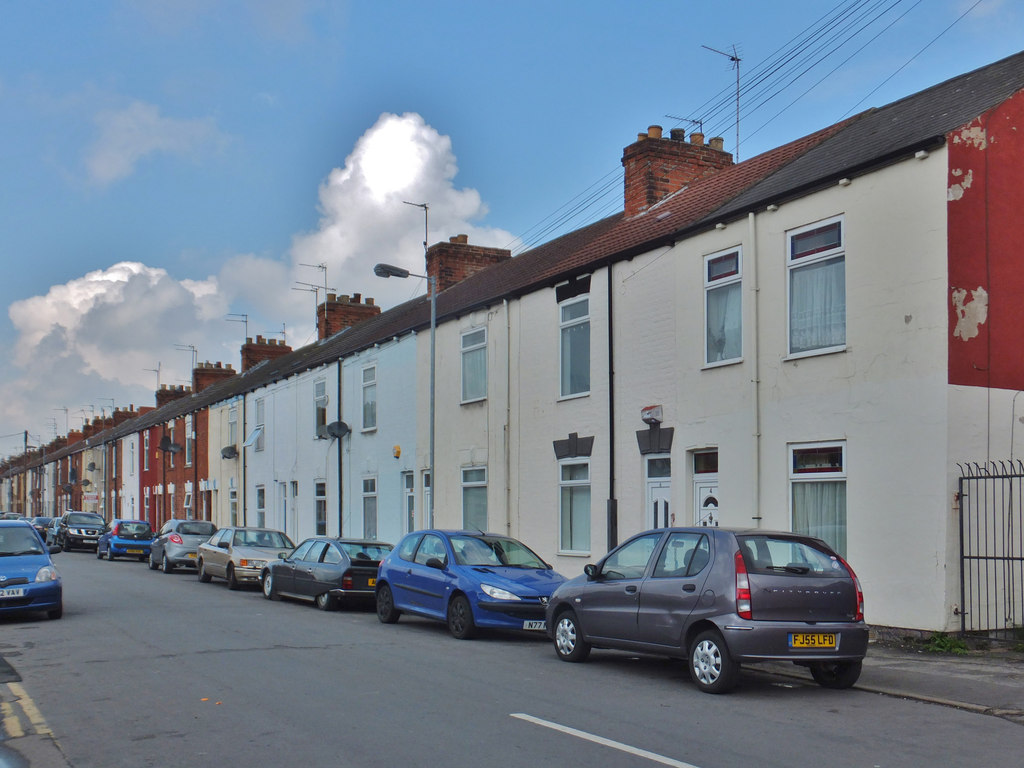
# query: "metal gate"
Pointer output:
{"type": "Point", "coordinates": [991, 547]}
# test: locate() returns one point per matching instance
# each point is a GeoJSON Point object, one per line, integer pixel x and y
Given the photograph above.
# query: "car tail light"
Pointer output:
{"type": "Point", "coordinates": [859, 616]}
{"type": "Point", "coordinates": [346, 581]}
{"type": "Point", "coordinates": [175, 539]}
{"type": "Point", "coordinates": [742, 588]}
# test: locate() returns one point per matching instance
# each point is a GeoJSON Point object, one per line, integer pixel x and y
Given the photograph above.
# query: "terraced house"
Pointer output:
{"type": "Point", "coordinates": [820, 338]}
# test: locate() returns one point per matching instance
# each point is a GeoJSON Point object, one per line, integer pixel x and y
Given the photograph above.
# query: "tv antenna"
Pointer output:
{"type": "Point", "coordinates": [698, 123]}
{"type": "Point", "coordinates": [322, 268]}
{"type": "Point", "coordinates": [157, 372]}
{"type": "Point", "coordinates": [195, 353]}
{"type": "Point", "coordinates": [238, 317]}
{"type": "Point", "coordinates": [735, 59]}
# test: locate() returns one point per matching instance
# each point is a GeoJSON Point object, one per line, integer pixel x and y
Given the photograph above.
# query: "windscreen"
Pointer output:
{"type": "Point", "coordinates": [494, 551]}
{"type": "Point", "coordinates": [83, 518]}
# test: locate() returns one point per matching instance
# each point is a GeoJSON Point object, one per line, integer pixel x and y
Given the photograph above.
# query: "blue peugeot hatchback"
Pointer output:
{"type": "Point", "coordinates": [28, 580]}
{"type": "Point", "coordinates": [125, 538]}
{"type": "Point", "coordinates": [468, 579]}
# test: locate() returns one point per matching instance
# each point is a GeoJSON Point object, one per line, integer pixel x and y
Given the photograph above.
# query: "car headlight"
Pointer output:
{"type": "Point", "coordinates": [47, 573]}
{"type": "Point", "coordinates": [498, 593]}
{"type": "Point", "coordinates": [243, 563]}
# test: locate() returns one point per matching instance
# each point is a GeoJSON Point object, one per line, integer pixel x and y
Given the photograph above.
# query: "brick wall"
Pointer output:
{"type": "Point", "coordinates": [340, 312]}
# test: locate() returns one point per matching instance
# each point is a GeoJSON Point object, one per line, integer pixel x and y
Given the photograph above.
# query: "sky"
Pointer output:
{"type": "Point", "coordinates": [170, 166]}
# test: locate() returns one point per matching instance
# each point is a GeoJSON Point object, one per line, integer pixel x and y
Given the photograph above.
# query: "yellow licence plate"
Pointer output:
{"type": "Point", "coordinates": [812, 640]}
{"type": "Point", "coordinates": [134, 551]}
{"type": "Point", "coordinates": [372, 582]}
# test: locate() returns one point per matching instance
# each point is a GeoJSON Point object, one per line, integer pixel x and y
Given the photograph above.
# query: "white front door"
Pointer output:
{"type": "Point", "coordinates": [659, 492]}
{"type": "Point", "coordinates": [705, 499]}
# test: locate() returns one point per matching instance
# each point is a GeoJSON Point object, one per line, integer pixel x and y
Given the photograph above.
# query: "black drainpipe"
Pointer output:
{"type": "Point", "coordinates": [613, 504]}
{"type": "Point", "coordinates": [341, 478]}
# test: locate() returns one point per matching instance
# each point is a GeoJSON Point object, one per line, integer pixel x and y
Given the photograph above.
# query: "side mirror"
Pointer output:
{"type": "Point", "coordinates": [224, 544]}
{"type": "Point", "coordinates": [435, 562]}
{"type": "Point", "coordinates": [54, 549]}
{"type": "Point", "coordinates": [591, 570]}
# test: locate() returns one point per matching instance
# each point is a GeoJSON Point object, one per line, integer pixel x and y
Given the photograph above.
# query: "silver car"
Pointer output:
{"type": "Point", "coordinates": [177, 544]}
{"type": "Point", "coordinates": [239, 555]}
{"type": "Point", "coordinates": [718, 598]}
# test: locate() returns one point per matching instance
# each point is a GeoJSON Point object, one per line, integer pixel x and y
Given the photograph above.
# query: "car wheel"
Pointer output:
{"type": "Point", "coordinates": [268, 586]}
{"type": "Point", "coordinates": [569, 642]}
{"type": "Point", "coordinates": [110, 553]}
{"type": "Point", "coordinates": [711, 666]}
{"type": "Point", "coordinates": [325, 602]}
{"type": "Point", "coordinates": [835, 674]}
{"type": "Point", "coordinates": [153, 564]}
{"type": "Point", "coordinates": [99, 555]}
{"type": "Point", "coordinates": [166, 565]}
{"type": "Point", "coordinates": [203, 575]}
{"type": "Point", "coordinates": [386, 611]}
{"type": "Point", "coordinates": [460, 618]}
{"type": "Point", "coordinates": [57, 612]}
{"type": "Point", "coordinates": [232, 581]}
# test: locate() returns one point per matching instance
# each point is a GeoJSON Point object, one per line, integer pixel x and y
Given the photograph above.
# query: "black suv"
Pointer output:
{"type": "Point", "coordinates": [79, 529]}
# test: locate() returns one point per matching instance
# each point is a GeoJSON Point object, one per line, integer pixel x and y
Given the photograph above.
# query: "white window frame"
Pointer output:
{"type": "Point", "coordinates": [145, 450]}
{"type": "Point", "coordinates": [188, 440]}
{"type": "Point", "coordinates": [319, 505]}
{"type": "Point", "coordinates": [369, 398]}
{"type": "Point", "coordinates": [473, 479]}
{"type": "Point", "coordinates": [233, 505]}
{"type": "Point", "coordinates": [233, 425]}
{"type": "Point", "coordinates": [369, 492]}
{"type": "Point", "coordinates": [131, 457]}
{"type": "Point", "coordinates": [718, 284]}
{"type": "Point", "coordinates": [170, 436]}
{"type": "Point", "coordinates": [796, 264]}
{"type": "Point", "coordinates": [565, 329]}
{"type": "Point", "coordinates": [261, 506]}
{"type": "Point", "coordinates": [563, 484]}
{"type": "Point", "coordinates": [320, 401]}
{"type": "Point", "coordinates": [260, 408]}
{"type": "Point", "coordinates": [474, 346]}
{"type": "Point", "coordinates": [818, 475]}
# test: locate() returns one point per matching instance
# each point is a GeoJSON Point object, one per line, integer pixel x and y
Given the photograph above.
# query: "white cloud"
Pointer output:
{"type": "Point", "coordinates": [128, 135]}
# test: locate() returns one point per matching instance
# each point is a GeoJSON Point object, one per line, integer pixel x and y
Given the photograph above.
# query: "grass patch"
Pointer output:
{"type": "Point", "coordinates": [940, 642]}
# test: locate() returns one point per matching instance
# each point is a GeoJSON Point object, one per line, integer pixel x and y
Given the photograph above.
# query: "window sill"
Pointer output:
{"type": "Point", "coordinates": [562, 553]}
{"type": "Point", "coordinates": [474, 400]}
{"type": "Point", "coordinates": [816, 353]}
{"type": "Point", "coordinates": [721, 364]}
{"type": "Point", "coordinates": [577, 396]}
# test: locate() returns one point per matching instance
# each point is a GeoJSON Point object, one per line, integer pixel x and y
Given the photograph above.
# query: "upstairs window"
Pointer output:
{"type": "Point", "coordinates": [233, 425]}
{"type": "Point", "coordinates": [817, 288]}
{"type": "Point", "coordinates": [188, 442]}
{"type": "Point", "coordinates": [723, 311]}
{"type": "Point", "coordinates": [261, 420]}
{"type": "Point", "coordinates": [574, 347]}
{"type": "Point", "coordinates": [370, 398]}
{"type": "Point", "coordinates": [474, 365]}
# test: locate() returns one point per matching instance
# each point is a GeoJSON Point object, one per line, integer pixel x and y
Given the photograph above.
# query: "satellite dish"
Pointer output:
{"type": "Point", "coordinates": [229, 452]}
{"type": "Point", "coordinates": [85, 483]}
{"type": "Point", "coordinates": [68, 487]}
{"type": "Point", "coordinates": [165, 443]}
{"type": "Point", "coordinates": [92, 466]}
{"type": "Point", "coordinates": [338, 429]}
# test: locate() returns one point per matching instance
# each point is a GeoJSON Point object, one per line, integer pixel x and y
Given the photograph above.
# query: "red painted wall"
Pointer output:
{"type": "Point", "coordinates": [985, 219]}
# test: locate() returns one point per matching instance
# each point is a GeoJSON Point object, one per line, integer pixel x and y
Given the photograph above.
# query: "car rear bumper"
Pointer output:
{"type": "Point", "coordinates": [178, 554]}
{"type": "Point", "coordinates": [129, 548]}
{"type": "Point", "coordinates": [771, 640]}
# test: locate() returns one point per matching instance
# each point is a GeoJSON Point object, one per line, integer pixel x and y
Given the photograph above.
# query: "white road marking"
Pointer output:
{"type": "Point", "coordinates": [652, 756]}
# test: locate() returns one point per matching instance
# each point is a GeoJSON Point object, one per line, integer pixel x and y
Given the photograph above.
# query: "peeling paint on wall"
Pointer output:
{"type": "Point", "coordinates": [973, 135]}
{"type": "Point", "coordinates": [969, 314]}
{"type": "Point", "coordinates": [956, 191]}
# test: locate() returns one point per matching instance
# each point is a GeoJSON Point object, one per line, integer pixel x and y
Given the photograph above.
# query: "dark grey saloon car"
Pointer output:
{"type": "Point", "coordinates": [719, 598]}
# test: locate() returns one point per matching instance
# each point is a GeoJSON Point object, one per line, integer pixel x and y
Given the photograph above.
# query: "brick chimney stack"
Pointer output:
{"type": "Point", "coordinates": [454, 261]}
{"type": "Point", "coordinates": [340, 312]}
{"type": "Point", "coordinates": [254, 353]}
{"type": "Point", "coordinates": [122, 415]}
{"type": "Point", "coordinates": [656, 167]}
{"type": "Point", "coordinates": [167, 394]}
{"type": "Point", "coordinates": [207, 374]}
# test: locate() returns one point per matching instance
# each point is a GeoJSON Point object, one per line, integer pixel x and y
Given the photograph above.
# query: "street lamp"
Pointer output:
{"type": "Point", "coordinates": [388, 270]}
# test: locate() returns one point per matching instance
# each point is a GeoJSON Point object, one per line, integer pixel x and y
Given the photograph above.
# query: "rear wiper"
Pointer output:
{"type": "Point", "coordinates": [790, 568]}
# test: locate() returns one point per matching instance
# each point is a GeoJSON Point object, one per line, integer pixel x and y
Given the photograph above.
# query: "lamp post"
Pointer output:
{"type": "Point", "coordinates": [388, 270]}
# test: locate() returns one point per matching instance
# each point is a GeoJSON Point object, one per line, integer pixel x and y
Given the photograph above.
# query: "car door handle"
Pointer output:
{"type": "Point", "coordinates": [689, 587]}
{"type": "Point", "coordinates": [630, 590]}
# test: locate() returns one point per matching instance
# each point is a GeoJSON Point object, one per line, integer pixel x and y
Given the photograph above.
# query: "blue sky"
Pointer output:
{"type": "Point", "coordinates": [164, 163]}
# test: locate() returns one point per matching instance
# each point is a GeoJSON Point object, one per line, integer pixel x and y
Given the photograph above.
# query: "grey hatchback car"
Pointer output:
{"type": "Point", "coordinates": [178, 542]}
{"type": "Point", "coordinates": [718, 598]}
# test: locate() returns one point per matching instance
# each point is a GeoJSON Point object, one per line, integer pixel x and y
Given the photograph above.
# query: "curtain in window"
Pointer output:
{"type": "Point", "coordinates": [474, 508]}
{"type": "Point", "coordinates": [819, 509]}
{"type": "Point", "coordinates": [724, 323]}
{"type": "Point", "coordinates": [369, 517]}
{"type": "Point", "coordinates": [370, 406]}
{"type": "Point", "coordinates": [817, 306]}
{"type": "Point", "coordinates": [576, 359]}
{"type": "Point", "coordinates": [474, 374]}
{"type": "Point", "coordinates": [575, 518]}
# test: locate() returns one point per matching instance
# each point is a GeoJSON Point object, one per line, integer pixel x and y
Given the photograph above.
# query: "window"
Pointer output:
{"type": "Point", "coordinates": [261, 420]}
{"type": "Point", "coordinates": [723, 313]}
{"type": "Point", "coordinates": [145, 449]}
{"type": "Point", "coordinates": [630, 562]}
{"type": "Point", "coordinates": [431, 547]}
{"type": "Point", "coordinates": [474, 365]}
{"type": "Point", "coordinates": [474, 499]}
{"type": "Point", "coordinates": [131, 458]}
{"type": "Point", "coordinates": [320, 503]}
{"type": "Point", "coordinates": [261, 506]}
{"type": "Point", "coordinates": [369, 507]}
{"type": "Point", "coordinates": [574, 506]}
{"type": "Point", "coordinates": [818, 490]}
{"type": "Point", "coordinates": [574, 330]}
{"type": "Point", "coordinates": [817, 288]}
{"type": "Point", "coordinates": [233, 425]}
{"type": "Point", "coordinates": [232, 505]}
{"type": "Point", "coordinates": [170, 437]}
{"type": "Point", "coordinates": [320, 407]}
{"type": "Point", "coordinates": [370, 398]}
{"type": "Point", "coordinates": [145, 503]}
{"type": "Point", "coordinates": [188, 442]}
{"type": "Point", "coordinates": [684, 555]}
{"type": "Point", "coordinates": [187, 507]}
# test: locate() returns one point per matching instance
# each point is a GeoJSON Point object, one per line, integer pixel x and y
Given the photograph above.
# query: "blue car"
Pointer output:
{"type": "Point", "coordinates": [468, 579]}
{"type": "Point", "coordinates": [28, 580]}
{"type": "Point", "coordinates": [125, 538]}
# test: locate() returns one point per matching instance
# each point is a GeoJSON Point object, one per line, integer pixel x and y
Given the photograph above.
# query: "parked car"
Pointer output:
{"type": "Point", "coordinates": [718, 598]}
{"type": "Point", "coordinates": [178, 544]}
{"type": "Point", "coordinates": [125, 538]}
{"type": "Point", "coordinates": [468, 579]}
{"type": "Point", "coordinates": [79, 529]}
{"type": "Point", "coordinates": [240, 554]}
{"type": "Point", "coordinates": [11, 516]}
{"type": "Point", "coordinates": [51, 532]}
{"type": "Point", "coordinates": [28, 579]}
{"type": "Point", "coordinates": [326, 571]}
{"type": "Point", "coordinates": [41, 523]}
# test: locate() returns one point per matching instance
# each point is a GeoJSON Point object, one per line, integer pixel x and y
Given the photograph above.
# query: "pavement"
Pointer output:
{"type": "Point", "coordinates": [989, 682]}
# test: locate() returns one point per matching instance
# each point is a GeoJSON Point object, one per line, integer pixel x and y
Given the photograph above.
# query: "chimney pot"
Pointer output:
{"type": "Point", "coordinates": [356, 298]}
{"type": "Point", "coordinates": [344, 298]}
{"type": "Point", "coordinates": [369, 301]}
{"type": "Point", "coordinates": [260, 340]}
{"type": "Point", "coordinates": [654, 131]}
{"type": "Point", "coordinates": [641, 136]}
{"type": "Point", "coordinates": [677, 134]}
{"type": "Point", "coordinates": [697, 139]}
{"type": "Point", "coordinates": [332, 297]}
{"type": "Point", "coordinates": [717, 142]}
